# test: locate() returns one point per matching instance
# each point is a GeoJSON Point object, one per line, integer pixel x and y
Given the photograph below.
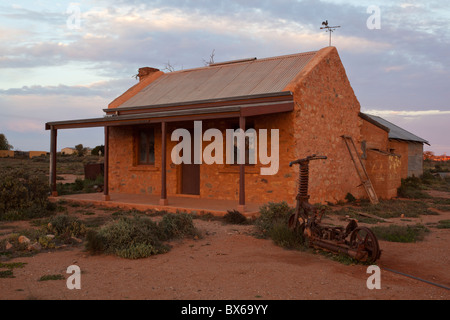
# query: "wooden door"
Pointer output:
{"type": "Point", "coordinates": [190, 176]}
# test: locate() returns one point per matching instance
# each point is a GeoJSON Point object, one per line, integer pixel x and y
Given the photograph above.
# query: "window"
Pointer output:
{"type": "Point", "coordinates": [250, 145]}
{"type": "Point", "coordinates": [146, 146]}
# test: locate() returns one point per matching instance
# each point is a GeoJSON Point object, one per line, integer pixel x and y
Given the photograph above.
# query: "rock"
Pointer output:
{"type": "Point", "coordinates": [8, 245]}
{"type": "Point", "coordinates": [23, 239]}
{"type": "Point", "coordinates": [35, 247]}
{"type": "Point", "coordinates": [76, 240]}
{"type": "Point", "coordinates": [50, 236]}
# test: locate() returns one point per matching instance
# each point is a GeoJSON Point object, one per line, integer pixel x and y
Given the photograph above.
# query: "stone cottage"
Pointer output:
{"type": "Point", "coordinates": [306, 97]}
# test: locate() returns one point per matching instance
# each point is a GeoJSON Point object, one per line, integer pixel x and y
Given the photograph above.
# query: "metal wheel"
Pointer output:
{"type": "Point", "coordinates": [363, 240]}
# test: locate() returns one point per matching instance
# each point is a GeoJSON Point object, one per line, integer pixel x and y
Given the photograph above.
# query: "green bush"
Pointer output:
{"type": "Point", "coordinates": [284, 237]}
{"type": "Point", "coordinates": [65, 227]}
{"type": "Point", "coordinates": [51, 277]}
{"type": "Point", "coordinates": [95, 243]}
{"type": "Point", "coordinates": [235, 217]}
{"type": "Point", "coordinates": [79, 186]}
{"type": "Point", "coordinates": [177, 225]}
{"type": "Point", "coordinates": [395, 208]}
{"type": "Point", "coordinates": [139, 237]}
{"type": "Point", "coordinates": [396, 233]}
{"type": "Point", "coordinates": [350, 198]}
{"type": "Point", "coordinates": [137, 251]}
{"type": "Point", "coordinates": [272, 213]}
{"type": "Point", "coordinates": [273, 224]}
{"type": "Point", "coordinates": [443, 224]}
{"type": "Point", "coordinates": [412, 187]}
{"type": "Point", "coordinates": [23, 196]}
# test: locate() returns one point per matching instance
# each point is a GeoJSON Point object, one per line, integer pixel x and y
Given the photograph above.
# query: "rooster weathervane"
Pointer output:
{"type": "Point", "coordinates": [329, 29]}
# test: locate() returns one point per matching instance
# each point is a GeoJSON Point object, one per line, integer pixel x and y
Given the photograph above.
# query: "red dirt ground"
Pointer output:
{"type": "Point", "coordinates": [228, 263]}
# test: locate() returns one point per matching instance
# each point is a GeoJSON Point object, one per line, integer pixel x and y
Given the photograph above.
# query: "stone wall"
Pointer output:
{"type": "Point", "coordinates": [384, 161]}
{"type": "Point", "coordinates": [326, 109]}
{"type": "Point", "coordinates": [401, 148]}
{"type": "Point", "coordinates": [217, 181]}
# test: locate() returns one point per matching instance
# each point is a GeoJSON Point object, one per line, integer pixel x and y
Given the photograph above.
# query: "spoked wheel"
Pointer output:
{"type": "Point", "coordinates": [365, 243]}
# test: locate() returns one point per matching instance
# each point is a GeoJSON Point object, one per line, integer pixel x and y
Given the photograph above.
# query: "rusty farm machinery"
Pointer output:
{"type": "Point", "coordinates": [357, 242]}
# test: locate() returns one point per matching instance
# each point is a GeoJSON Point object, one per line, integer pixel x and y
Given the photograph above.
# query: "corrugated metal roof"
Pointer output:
{"type": "Point", "coordinates": [395, 132]}
{"type": "Point", "coordinates": [240, 78]}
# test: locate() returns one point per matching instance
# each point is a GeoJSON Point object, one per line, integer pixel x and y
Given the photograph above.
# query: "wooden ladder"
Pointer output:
{"type": "Point", "coordinates": [360, 169]}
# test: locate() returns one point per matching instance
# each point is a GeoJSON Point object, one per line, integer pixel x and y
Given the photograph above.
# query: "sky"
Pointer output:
{"type": "Point", "coordinates": [62, 60]}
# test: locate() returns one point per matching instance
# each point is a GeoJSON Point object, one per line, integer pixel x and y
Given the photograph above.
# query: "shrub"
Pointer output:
{"type": "Point", "coordinates": [177, 225]}
{"type": "Point", "coordinates": [80, 186]}
{"type": "Point", "coordinates": [443, 224]}
{"type": "Point", "coordinates": [51, 277]}
{"type": "Point", "coordinates": [65, 227]}
{"type": "Point", "coordinates": [396, 233]}
{"type": "Point", "coordinates": [350, 198]}
{"type": "Point", "coordinates": [139, 237]}
{"type": "Point", "coordinates": [137, 251]}
{"type": "Point", "coordinates": [23, 196]}
{"type": "Point", "coordinates": [235, 217]}
{"type": "Point", "coordinates": [126, 232]}
{"type": "Point", "coordinates": [412, 187]}
{"type": "Point", "coordinates": [395, 208]}
{"type": "Point", "coordinates": [284, 237]}
{"type": "Point", "coordinates": [272, 213]}
{"type": "Point", "coordinates": [95, 243]}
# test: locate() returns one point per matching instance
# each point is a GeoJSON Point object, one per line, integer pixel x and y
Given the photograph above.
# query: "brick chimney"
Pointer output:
{"type": "Point", "coordinates": [146, 71]}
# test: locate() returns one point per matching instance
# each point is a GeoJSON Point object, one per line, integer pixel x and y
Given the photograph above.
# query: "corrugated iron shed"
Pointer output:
{"type": "Point", "coordinates": [223, 80]}
{"type": "Point", "coordinates": [395, 132]}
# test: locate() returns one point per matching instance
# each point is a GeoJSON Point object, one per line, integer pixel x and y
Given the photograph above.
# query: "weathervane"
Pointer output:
{"type": "Point", "coordinates": [329, 29]}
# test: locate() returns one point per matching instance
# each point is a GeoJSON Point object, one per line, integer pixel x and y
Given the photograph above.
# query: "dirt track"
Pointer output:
{"type": "Point", "coordinates": [230, 263]}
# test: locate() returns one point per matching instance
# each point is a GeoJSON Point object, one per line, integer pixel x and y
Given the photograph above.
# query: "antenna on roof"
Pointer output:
{"type": "Point", "coordinates": [329, 29]}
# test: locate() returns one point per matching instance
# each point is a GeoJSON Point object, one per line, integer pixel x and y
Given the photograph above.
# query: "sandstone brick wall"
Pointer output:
{"type": "Point", "coordinates": [385, 161]}
{"type": "Point", "coordinates": [217, 181]}
{"type": "Point", "coordinates": [374, 137]}
{"type": "Point", "coordinates": [401, 148]}
{"type": "Point", "coordinates": [384, 172]}
{"type": "Point", "coordinates": [326, 109]}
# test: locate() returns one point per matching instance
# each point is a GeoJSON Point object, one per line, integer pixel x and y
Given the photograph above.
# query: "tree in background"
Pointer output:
{"type": "Point", "coordinates": [80, 150]}
{"type": "Point", "coordinates": [4, 145]}
{"type": "Point", "coordinates": [98, 150]}
{"type": "Point", "coordinates": [428, 155]}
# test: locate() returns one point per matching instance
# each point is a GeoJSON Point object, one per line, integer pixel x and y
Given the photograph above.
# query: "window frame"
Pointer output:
{"type": "Point", "coordinates": [249, 125]}
{"type": "Point", "coordinates": [148, 131]}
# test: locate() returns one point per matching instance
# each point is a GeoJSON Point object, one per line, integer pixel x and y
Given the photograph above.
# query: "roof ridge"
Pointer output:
{"type": "Point", "coordinates": [242, 61]}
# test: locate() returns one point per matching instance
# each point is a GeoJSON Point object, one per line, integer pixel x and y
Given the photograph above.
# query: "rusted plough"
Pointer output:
{"type": "Point", "coordinates": [357, 242]}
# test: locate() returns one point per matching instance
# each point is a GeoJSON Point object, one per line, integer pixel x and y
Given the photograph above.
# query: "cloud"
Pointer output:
{"type": "Point", "coordinates": [104, 89]}
{"type": "Point", "coordinates": [22, 125]}
{"type": "Point", "coordinates": [408, 113]}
